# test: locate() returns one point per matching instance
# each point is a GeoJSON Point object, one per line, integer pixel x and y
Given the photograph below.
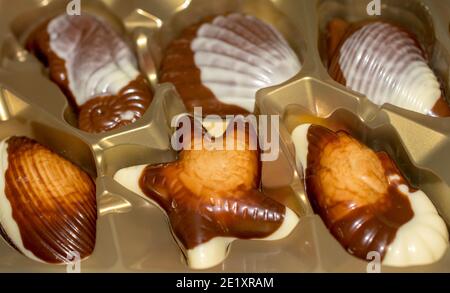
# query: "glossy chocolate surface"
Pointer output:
{"type": "Point", "coordinates": [222, 62]}
{"type": "Point", "coordinates": [362, 207]}
{"type": "Point", "coordinates": [96, 50]}
{"type": "Point", "coordinates": [178, 67]}
{"type": "Point", "coordinates": [106, 113]}
{"type": "Point", "coordinates": [53, 202]}
{"type": "Point", "coordinates": [214, 193]}
{"type": "Point", "coordinates": [394, 55]}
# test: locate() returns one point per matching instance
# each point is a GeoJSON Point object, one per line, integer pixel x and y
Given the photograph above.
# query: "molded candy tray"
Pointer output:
{"type": "Point", "coordinates": [133, 234]}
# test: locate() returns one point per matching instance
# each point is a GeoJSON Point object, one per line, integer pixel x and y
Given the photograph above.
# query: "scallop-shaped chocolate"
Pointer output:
{"type": "Point", "coordinates": [228, 59]}
{"type": "Point", "coordinates": [366, 202]}
{"type": "Point", "coordinates": [90, 61]}
{"type": "Point", "coordinates": [48, 208]}
{"type": "Point", "coordinates": [387, 64]}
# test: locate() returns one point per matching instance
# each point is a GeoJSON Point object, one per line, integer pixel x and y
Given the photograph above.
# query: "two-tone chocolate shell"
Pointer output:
{"type": "Point", "coordinates": [387, 64]}
{"type": "Point", "coordinates": [228, 59]}
{"type": "Point", "coordinates": [48, 208]}
{"type": "Point", "coordinates": [90, 61]}
{"type": "Point", "coordinates": [211, 198]}
{"type": "Point", "coordinates": [366, 202]}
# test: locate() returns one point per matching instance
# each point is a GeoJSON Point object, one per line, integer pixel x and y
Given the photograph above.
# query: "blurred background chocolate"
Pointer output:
{"type": "Point", "coordinates": [95, 69]}
{"type": "Point", "coordinates": [386, 63]}
{"type": "Point", "coordinates": [220, 63]}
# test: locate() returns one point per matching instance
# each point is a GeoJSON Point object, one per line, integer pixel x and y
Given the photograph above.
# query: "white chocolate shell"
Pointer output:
{"type": "Point", "coordinates": [97, 60]}
{"type": "Point", "coordinates": [47, 205]}
{"type": "Point", "coordinates": [238, 55]}
{"type": "Point", "coordinates": [422, 240]}
{"type": "Point", "coordinates": [386, 64]}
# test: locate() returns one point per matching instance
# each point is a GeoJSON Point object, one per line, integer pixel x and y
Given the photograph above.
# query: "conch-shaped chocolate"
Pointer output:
{"type": "Point", "coordinates": [366, 202]}
{"type": "Point", "coordinates": [220, 64]}
{"type": "Point", "coordinates": [211, 197]}
{"type": "Point", "coordinates": [48, 209]}
{"type": "Point", "coordinates": [387, 64]}
{"type": "Point", "coordinates": [95, 68]}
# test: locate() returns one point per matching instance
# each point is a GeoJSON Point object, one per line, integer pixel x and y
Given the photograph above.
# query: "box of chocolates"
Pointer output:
{"type": "Point", "coordinates": [225, 136]}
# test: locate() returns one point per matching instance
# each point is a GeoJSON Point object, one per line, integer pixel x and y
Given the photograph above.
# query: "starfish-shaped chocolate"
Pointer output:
{"type": "Point", "coordinates": [212, 196]}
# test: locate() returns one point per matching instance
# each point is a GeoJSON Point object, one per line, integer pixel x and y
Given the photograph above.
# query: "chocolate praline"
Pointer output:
{"type": "Point", "coordinates": [94, 68]}
{"type": "Point", "coordinates": [220, 63]}
{"type": "Point", "coordinates": [385, 62]}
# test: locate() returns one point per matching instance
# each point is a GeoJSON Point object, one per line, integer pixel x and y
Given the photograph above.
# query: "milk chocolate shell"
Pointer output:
{"type": "Point", "coordinates": [220, 64]}
{"type": "Point", "coordinates": [47, 205]}
{"type": "Point", "coordinates": [212, 197]}
{"type": "Point", "coordinates": [366, 202]}
{"type": "Point", "coordinates": [95, 68]}
{"type": "Point", "coordinates": [387, 64]}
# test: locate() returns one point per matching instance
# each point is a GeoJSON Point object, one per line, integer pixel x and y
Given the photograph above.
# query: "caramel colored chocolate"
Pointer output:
{"type": "Point", "coordinates": [215, 193]}
{"type": "Point", "coordinates": [441, 109]}
{"type": "Point", "coordinates": [336, 30]}
{"type": "Point", "coordinates": [110, 112]}
{"type": "Point", "coordinates": [178, 67]}
{"type": "Point", "coordinates": [355, 191]}
{"type": "Point", "coordinates": [53, 202]}
{"type": "Point", "coordinates": [101, 112]}
{"type": "Point", "coordinates": [221, 63]}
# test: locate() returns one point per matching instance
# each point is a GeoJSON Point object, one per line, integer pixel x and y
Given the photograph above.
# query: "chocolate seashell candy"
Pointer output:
{"type": "Point", "coordinates": [387, 64]}
{"type": "Point", "coordinates": [48, 209]}
{"type": "Point", "coordinates": [366, 202]}
{"type": "Point", "coordinates": [94, 68]}
{"type": "Point", "coordinates": [222, 62]}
